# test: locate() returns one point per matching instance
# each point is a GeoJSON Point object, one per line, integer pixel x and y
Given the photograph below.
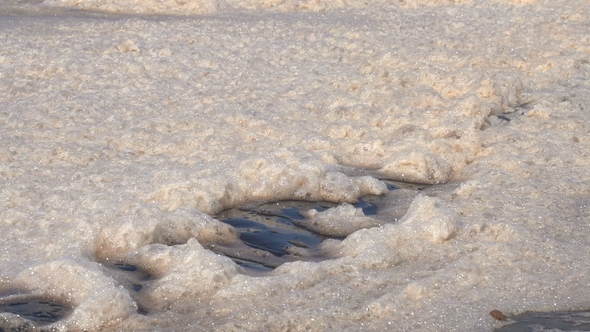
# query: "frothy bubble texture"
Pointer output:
{"type": "Point", "coordinates": [339, 221]}
{"type": "Point", "coordinates": [123, 134]}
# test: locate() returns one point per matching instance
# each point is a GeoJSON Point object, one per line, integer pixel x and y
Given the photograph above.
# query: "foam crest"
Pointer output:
{"type": "Point", "coordinates": [339, 221]}
{"type": "Point", "coordinates": [128, 233]}
{"type": "Point", "coordinates": [262, 180]}
{"type": "Point", "coordinates": [428, 220]}
{"type": "Point", "coordinates": [418, 167]}
{"type": "Point", "coordinates": [96, 298]}
{"type": "Point", "coordinates": [182, 273]}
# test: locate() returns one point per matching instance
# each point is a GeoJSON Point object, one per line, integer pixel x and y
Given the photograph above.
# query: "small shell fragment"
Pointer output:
{"type": "Point", "coordinates": [498, 315]}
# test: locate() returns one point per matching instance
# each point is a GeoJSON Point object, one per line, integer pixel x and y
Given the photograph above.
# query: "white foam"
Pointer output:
{"type": "Point", "coordinates": [96, 298]}
{"type": "Point", "coordinates": [177, 267]}
{"type": "Point", "coordinates": [122, 135]}
{"type": "Point", "coordinates": [339, 221]}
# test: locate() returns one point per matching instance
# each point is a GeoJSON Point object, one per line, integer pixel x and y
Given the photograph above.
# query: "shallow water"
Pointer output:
{"type": "Point", "coordinates": [280, 228]}
{"type": "Point", "coordinates": [41, 311]}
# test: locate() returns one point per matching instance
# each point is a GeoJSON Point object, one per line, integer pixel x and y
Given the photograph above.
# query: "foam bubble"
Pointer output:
{"type": "Point", "coordinates": [413, 166]}
{"type": "Point", "coordinates": [95, 298]}
{"type": "Point", "coordinates": [181, 273]}
{"type": "Point", "coordinates": [339, 221]}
